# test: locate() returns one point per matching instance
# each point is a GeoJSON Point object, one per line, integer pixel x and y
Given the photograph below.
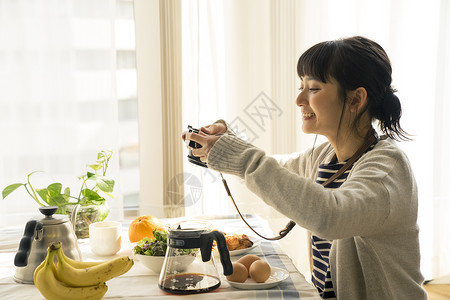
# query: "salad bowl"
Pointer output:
{"type": "Point", "coordinates": [154, 263]}
{"type": "Point", "coordinates": [151, 253]}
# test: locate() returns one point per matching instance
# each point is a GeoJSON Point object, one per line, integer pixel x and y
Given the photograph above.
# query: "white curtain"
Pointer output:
{"type": "Point", "coordinates": [67, 91]}
{"type": "Point", "coordinates": [239, 64]}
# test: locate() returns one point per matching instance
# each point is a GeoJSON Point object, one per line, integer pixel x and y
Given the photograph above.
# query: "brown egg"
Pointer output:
{"type": "Point", "coordinates": [247, 260]}
{"type": "Point", "coordinates": [240, 273]}
{"type": "Point", "coordinates": [260, 271]}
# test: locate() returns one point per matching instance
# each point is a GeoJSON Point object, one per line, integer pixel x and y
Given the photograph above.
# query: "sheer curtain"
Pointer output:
{"type": "Point", "coordinates": [67, 91]}
{"type": "Point", "coordinates": [239, 62]}
{"type": "Point", "coordinates": [440, 196]}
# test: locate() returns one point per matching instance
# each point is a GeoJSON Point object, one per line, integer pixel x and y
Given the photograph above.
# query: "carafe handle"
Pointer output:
{"type": "Point", "coordinates": [206, 242]}
{"type": "Point", "coordinates": [21, 258]}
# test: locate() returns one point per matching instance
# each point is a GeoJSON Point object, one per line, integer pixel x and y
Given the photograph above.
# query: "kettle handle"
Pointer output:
{"type": "Point", "coordinates": [206, 240]}
{"type": "Point", "coordinates": [21, 258]}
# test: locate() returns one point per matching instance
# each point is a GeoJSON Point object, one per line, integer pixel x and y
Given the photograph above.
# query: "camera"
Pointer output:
{"type": "Point", "coordinates": [191, 158]}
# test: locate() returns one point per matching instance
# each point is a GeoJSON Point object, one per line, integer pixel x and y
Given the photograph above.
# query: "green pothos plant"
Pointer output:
{"type": "Point", "coordinates": [95, 186]}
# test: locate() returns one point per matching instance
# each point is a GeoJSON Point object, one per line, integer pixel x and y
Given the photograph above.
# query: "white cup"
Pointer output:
{"type": "Point", "coordinates": [105, 238]}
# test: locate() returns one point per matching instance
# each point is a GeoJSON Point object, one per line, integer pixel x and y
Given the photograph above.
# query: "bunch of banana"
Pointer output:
{"type": "Point", "coordinates": [71, 279]}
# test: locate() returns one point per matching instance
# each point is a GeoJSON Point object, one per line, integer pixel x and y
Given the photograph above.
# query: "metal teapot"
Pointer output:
{"type": "Point", "coordinates": [38, 234]}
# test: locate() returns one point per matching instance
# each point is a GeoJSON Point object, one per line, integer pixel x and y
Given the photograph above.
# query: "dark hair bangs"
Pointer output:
{"type": "Point", "coordinates": [318, 61]}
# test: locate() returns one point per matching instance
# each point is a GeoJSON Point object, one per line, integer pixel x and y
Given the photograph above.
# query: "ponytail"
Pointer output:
{"type": "Point", "coordinates": [388, 112]}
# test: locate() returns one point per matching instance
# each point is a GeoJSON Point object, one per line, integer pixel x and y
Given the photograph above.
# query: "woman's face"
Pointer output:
{"type": "Point", "coordinates": [321, 106]}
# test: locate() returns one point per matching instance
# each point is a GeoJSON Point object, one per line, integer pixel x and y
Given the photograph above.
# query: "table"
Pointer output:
{"type": "Point", "coordinates": [142, 283]}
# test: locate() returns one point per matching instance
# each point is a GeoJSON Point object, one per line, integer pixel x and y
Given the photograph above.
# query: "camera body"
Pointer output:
{"type": "Point", "coordinates": [191, 158]}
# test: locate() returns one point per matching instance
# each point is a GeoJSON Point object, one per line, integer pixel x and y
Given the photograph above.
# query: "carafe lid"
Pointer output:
{"type": "Point", "coordinates": [189, 229]}
{"type": "Point", "coordinates": [50, 217]}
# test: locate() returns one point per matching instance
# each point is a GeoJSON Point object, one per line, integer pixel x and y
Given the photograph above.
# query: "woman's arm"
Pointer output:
{"type": "Point", "coordinates": [361, 206]}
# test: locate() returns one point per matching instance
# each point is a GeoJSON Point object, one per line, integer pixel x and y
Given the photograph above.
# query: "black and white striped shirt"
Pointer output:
{"type": "Point", "coordinates": [321, 275]}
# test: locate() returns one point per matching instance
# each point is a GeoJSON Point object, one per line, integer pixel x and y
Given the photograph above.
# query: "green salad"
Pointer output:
{"type": "Point", "coordinates": [157, 246]}
{"type": "Point", "coordinates": [152, 247]}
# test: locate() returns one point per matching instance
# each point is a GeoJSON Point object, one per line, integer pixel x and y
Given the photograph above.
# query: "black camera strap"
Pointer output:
{"type": "Point", "coordinates": [282, 232]}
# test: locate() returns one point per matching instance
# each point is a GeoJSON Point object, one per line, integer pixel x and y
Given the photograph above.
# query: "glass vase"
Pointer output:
{"type": "Point", "coordinates": [86, 215]}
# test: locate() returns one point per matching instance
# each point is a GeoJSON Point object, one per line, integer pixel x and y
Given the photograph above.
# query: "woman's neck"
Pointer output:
{"type": "Point", "coordinates": [345, 146]}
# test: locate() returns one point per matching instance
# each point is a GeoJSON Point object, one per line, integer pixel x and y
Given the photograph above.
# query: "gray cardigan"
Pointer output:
{"type": "Point", "coordinates": [371, 218]}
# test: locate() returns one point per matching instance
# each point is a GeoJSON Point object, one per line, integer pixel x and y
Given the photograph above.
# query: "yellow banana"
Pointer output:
{"type": "Point", "coordinates": [79, 264]}
{"type": "Point", "coordinates": [38, 268]}
{"type": "Point", "coordinates": [52, 289]}
{"type": "Point", "coordinates": [92, 275]}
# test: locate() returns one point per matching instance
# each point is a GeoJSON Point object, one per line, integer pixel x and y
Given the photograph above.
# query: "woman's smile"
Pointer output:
{"type": "Point", "coordinates": [307, 116]}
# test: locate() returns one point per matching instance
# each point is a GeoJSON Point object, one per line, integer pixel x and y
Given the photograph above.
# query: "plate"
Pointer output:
{"type": "Point", "coordinates": [277, 275]}
{"type": "Point", "coordinates": [245, 250]}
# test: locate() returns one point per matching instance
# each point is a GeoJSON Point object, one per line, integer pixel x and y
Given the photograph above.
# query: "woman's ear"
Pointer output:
{"type": "Point", "coordinates": [358, 99]}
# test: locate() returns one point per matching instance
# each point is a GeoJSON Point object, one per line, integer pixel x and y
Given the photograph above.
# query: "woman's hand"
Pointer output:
{"type": "Point", "coordinates": [215, 129]}
{"type": "Point", "coordinates": [207, 137]}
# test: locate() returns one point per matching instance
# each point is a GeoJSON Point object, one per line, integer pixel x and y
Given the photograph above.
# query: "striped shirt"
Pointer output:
{"type": "Point", "coordinates": [321, 274]}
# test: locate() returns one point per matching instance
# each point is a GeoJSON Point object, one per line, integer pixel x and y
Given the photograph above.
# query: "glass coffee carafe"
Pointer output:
{"type": "Point", "coordinates": [189, 266]}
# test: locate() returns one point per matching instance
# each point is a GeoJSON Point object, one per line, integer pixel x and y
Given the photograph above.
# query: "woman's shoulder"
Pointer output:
{"type": "Point", "coordinates": [385, 156]}
{"type": "Point", "coordinates": [388, 148]}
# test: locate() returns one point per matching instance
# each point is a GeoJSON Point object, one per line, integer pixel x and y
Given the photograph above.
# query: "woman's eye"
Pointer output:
{"type": "Point", "coordinates": [301, 89]}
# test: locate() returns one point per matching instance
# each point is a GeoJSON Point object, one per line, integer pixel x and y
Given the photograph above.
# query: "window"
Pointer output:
{"type": "Point", "coordinates": [67, 91]}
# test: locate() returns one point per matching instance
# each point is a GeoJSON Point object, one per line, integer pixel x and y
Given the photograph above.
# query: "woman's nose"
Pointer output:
{"type": "Point", "coordinates": [301, 99]}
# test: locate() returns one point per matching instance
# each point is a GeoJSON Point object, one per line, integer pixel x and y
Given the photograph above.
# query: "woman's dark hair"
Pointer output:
{"type": "Point", "coordinates": [358, 62]}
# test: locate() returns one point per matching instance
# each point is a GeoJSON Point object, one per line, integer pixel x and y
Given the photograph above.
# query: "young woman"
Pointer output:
{"type": "Point", "coordinates": [364, 233]}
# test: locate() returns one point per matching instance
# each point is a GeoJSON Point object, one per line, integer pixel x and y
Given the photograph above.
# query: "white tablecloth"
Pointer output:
{"type": "Point", "coordinates": [142, 283]}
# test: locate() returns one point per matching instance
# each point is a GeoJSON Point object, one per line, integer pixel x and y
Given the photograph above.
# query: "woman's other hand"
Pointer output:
{"type": "Point", "coordinates": [207, 137]}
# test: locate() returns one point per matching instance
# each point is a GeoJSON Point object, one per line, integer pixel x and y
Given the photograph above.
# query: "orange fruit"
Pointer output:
{"type": "Point", "coordinates": [144, 226]}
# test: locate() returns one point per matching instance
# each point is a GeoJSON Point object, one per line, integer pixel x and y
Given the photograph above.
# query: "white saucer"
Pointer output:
{"type": "Point", "coordinates": [277, 275]}
{"type": "Point", "coordinates": [245, 250]}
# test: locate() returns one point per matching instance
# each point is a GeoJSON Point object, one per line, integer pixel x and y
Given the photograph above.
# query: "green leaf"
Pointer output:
{"type": "Point", "coordinates": [109, 194]}
{"type": "Point", "coordinates": [62, 210]}
{"type": "Point", "coordinates": [91, 175]}
{"type": "Point", "coordinates": [67, 194]}
{"type": "Point", "coordinates": [57, 201]}
{"type": "Point", "coordinates": [98, 201]}
{"type": "Point", "coordinates": [105, 184]}
{"type": "Point", "coordinates": [95, 167]}
{"type": "Point", "coordinates": [100, 155]}
{"type": "Point", "coordinates": [54, 189]}
{"type": "Point", "coordinates": [160, 235]}
{"type": "Point", "coordinates": [88, 196]}
{"type": "Point", "coordinates": [52, 194]}
{"type": "Point", "coordinates": [91, 194]}
{"type": "Point", "coordinates": [11, 188]}
{"type": "Point", "coordinates": [44, 194]}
